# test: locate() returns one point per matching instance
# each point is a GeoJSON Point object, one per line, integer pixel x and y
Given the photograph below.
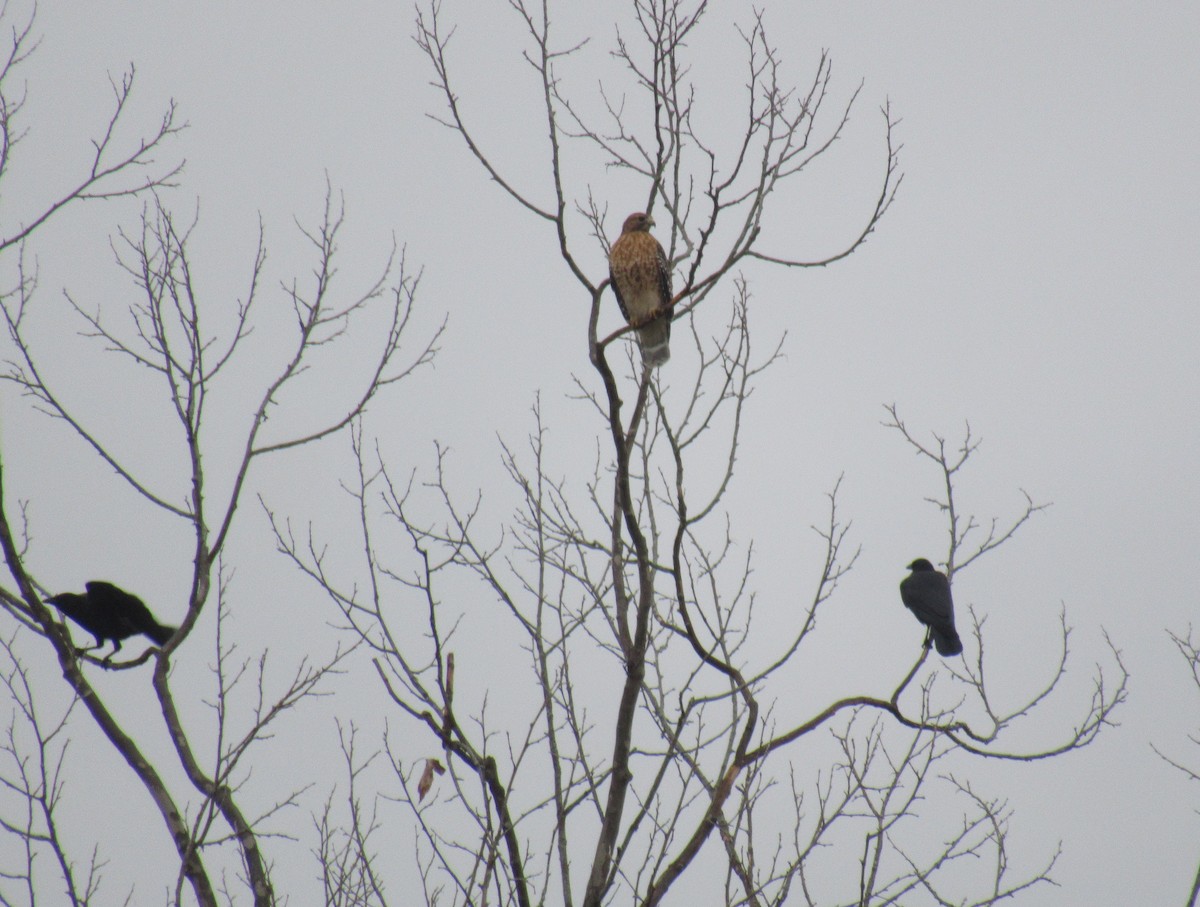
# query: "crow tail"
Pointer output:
{"type": "Point", "coordinates": [947, 643]}
{"type": "Point", "coordinates": [161, 634]}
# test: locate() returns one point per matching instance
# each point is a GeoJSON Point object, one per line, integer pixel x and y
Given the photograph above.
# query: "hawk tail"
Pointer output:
{"type": "Point", "coordinates": [654, 340]}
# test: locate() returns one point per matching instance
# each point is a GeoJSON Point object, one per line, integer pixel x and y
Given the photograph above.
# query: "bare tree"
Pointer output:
{"type": "Point", "coordinates": [1189, 650]}
{"type": "Point", "coordinates": [34, 751]}
{"type": "Point", "coordinates": [182, 343]}
{"type": "Point", "coordinates": [586, 697]}
{"type": "Point", "coordinates": [623, 710]}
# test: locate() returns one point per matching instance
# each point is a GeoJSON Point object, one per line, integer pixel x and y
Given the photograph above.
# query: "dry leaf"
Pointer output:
{"type": "Point", "coordinates": [432, 767]}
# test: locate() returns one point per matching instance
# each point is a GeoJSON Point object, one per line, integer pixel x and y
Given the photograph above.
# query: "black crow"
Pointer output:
{"type": "Point", "coordinates": [109, 612]}
{"type": "Point", "coordinates": [926, 593]}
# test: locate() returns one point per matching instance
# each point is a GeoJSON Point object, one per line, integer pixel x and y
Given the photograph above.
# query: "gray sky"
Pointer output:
{"type": "Point", "coordinates": [1036, 276]}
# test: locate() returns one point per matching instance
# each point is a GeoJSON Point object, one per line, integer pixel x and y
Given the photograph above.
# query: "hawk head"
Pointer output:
{"type": "Point", "coordinates": [637, 223]}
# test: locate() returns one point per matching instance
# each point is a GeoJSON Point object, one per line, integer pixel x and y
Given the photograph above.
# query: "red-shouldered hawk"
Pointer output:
{"type": "Point", "coordinates": [641, 279]}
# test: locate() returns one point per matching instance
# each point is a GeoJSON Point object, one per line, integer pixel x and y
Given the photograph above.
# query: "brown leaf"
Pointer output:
{"type": "Point", "coordinates": [432, 767]}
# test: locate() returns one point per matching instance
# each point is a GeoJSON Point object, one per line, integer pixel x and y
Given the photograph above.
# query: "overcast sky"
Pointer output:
{"type": "Point", "coordinates": [1036, 276]}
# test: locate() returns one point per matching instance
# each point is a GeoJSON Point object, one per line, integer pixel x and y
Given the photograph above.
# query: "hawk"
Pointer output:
{"type": "Point", "coordinates": [641, 279]}
{"type": "Point", "coordinates": [109, 612]}
{"type": "Point", "coordinates": [926, 593]}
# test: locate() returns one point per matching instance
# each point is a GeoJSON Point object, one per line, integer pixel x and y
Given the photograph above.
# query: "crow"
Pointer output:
{"type": "Point", "coordinates": [926, 593]}
{"type": "Point", "coordinates": [109, 612]}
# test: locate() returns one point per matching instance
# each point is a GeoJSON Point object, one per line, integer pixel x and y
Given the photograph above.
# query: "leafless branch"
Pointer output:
{"type": "Point", "coordinates": [114, 172]}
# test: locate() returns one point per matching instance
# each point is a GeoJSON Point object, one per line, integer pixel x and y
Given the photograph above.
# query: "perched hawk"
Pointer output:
{"type": "Point", "coordinates": [641, 278]}
{"type": "Point", "coordinates": [926, 593]}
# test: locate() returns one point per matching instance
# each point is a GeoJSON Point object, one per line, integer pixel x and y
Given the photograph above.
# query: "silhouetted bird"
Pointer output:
{"type": "Point", "coordinates": [109, 612]}
{"type": "Point", "coordinates": [926, 593]}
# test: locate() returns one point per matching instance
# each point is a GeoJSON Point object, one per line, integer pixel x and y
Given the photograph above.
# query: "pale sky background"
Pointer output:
{"type": "Point", "coordinates": [1036, 276]}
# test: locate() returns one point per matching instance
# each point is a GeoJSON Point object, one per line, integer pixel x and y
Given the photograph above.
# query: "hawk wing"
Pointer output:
{"type": "Point", "coordinates": [641, 276]}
